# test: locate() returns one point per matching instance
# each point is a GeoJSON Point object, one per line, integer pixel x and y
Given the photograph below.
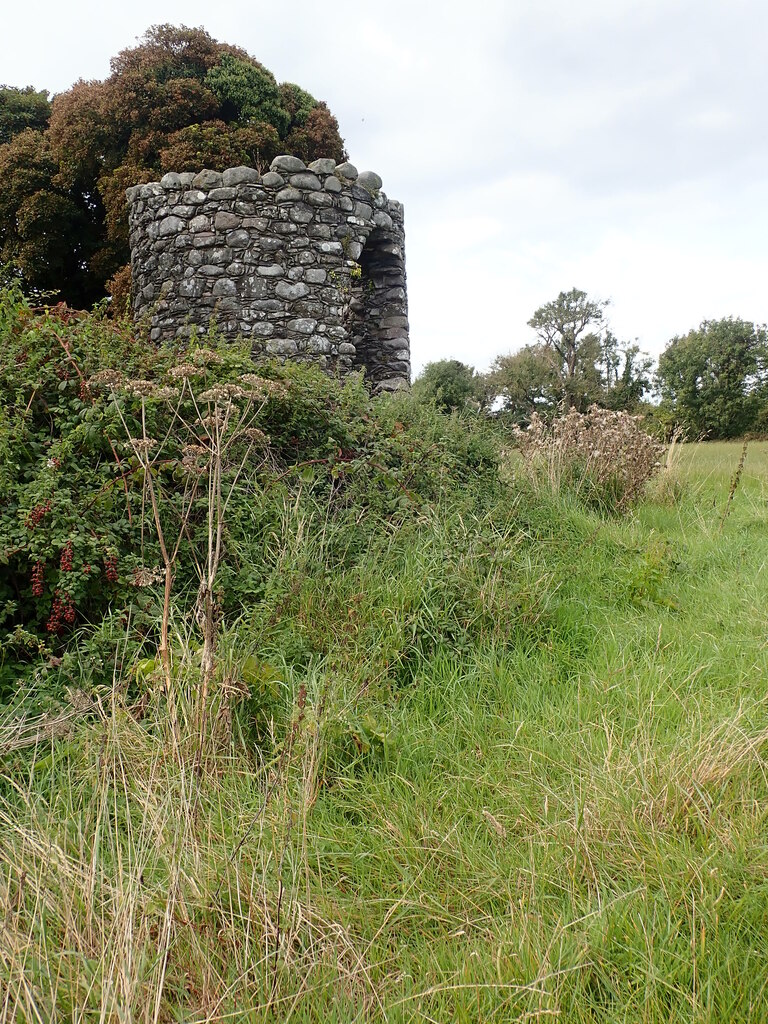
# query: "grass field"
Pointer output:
{"type": "Point", "coordinates": [558, 813]}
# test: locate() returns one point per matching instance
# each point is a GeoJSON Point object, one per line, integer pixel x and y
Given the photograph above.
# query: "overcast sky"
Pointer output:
{"type": "Point", "coordinates": [618, 146]}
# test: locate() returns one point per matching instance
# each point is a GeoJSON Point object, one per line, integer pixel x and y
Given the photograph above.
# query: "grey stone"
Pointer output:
{"type": "Point", "coordinates": [220, 194]}
{"type": "Point", "coordinates": [301, 213]}
{"type": "Point", "coordinates": [240, 176]}
{"type": "Point", "coordinates": [224, 221]}
{"type": "Point", "coordinates": [225, 287]}
{"type": "Point", "coordinates": [288, 195]}
{"type": "Point", "coordinates": [306, 180]}
{"type": "Point", "coordinates": [238, 239]}
{"type": "Point", "coordinates": [302, 325]}
{"type": "Point", "coordinates": [332, 185]}
{"type": "Point", "coordinates": [200, 223]}
{"type": "Point", "coordinates": [207, 179]}
{"type": "Point", "coordinates": [194, 196]}
{"type": "Point", "coordinates": [272, 270]}
{"type": "Point", "coordinates": [254, 287]}
{"type": "Point", "coordinates": [259, 223]}
{"type": "Point", "coordinates": [171, 180]}
{"type": "Point", "coordinates": [282, 347]}
{"type": "Point", "coordinates": [170, 226]}
{"type": "Point", "coordinates": [273, 179]}
{"type": "Point", "coordinates": [363, 210]}
{"type": "Point", "coordinates": [315, 276]}
{"type": "Point", "coordinates": [186, 178]}
{"type": "Point", "coordinates": [221, 254]}
{"type": "Point", "coordinates": [370, 181]}
{"type": "Point", "coordinates": [285, 290]}
{"type": "Point", "coordinates": [346, 170]}
{"type": "Point", "coordinates": [322, 166]}
{"type": "Point", "coordinates": [191, 288]}
{"type": "Point", "coordinates": [320, 198]}
{"type": "Point", "coordinates": [287, 164]}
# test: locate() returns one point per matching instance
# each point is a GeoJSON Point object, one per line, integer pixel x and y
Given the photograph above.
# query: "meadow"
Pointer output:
{"type": "Point", "coordinates": [524, 780]}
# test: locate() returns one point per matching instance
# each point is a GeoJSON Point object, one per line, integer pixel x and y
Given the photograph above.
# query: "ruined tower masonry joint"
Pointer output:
{"type": "Point", "coordinates": [308, 262]}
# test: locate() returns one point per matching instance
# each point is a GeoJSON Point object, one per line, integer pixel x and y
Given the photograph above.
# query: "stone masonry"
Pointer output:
{"type": "Point", "coordinates": [306, 262]}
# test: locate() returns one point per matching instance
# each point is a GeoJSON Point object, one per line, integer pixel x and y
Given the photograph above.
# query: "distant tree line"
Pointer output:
{"type": "Point", "coordinates": [710, 383]}
{"type": "Point", "coordinates": [178, 101]}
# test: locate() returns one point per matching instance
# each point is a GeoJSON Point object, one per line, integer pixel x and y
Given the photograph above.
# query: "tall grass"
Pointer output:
{"type": "Point", "coordinates": [506, 762]}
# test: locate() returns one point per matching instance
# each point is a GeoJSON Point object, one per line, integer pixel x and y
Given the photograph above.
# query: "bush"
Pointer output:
{"type": "Point", "coordinates": [78, 537]}
{"type": "Point", "coordinates": [605, 457]}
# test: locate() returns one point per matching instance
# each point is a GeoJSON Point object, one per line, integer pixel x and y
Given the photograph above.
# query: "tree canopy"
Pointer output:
{"type": "Point", "coordinates": [448, 384]}
{"type": "Point", "coordinates": [179, 101]}
{"type": "Point", "coordinates": [714, 379]}
{"type": "Point", "coordinates": [20, 109]}
{"type": "Point", "coordinates": [576, 362]}
{"type": "Point", "coordinates": [569, 327]}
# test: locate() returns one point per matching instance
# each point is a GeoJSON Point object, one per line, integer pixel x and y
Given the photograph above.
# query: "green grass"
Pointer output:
{"type": "Point", "coordinates": [525, 779]}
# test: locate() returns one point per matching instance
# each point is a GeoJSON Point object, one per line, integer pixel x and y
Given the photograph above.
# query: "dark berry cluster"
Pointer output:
{"type": "Point", "coordinates": [110, 567]}
{"type": "Point", "coordinates": [36, 515]}
{"type": "Point", "coordinates": [65, 561]}
{"type": "Point", "coordinates": [38, 571]}
{"type": "Point", "coordinates": [62, 612]}
{"type": "Point", "coordinates": [85, 391]}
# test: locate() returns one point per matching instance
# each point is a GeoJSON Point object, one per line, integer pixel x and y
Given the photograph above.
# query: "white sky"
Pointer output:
{"type": "Point", "coordinates": [618, 146]}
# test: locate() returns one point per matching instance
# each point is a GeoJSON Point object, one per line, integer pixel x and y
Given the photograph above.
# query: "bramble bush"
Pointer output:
{"type": "Point", "coordinates": [93, 418]}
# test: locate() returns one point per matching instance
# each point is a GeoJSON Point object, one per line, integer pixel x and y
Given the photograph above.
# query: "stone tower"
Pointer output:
{"type": "Point", "coordinates": [306, 262]}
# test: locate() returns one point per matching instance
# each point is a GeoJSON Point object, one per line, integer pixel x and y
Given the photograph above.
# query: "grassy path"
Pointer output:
{"type": "Point", "coordinates": [565, 818]}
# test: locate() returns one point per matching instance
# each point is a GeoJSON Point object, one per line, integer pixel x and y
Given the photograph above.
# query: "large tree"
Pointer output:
{"type": "Point", "coordinates": [526, 381]}
{"type": "Point", "coordinates": [714, 380]}
{"type": "Point", "coordinates": [21, 109]}
{"type": "Point", "coordinates": [570, 328]}
{"type": "Point", "coordinates": [448, 384]}
{"type": "Point", "coordinates": [576, 362]}
{"type": "Point", "coordinates": [179, 101]}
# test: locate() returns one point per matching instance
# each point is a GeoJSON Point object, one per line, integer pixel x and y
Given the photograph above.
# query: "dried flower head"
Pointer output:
{"type": "Point", "coordinates": [261, 387]}
{"type": "Point", "coordinates": [256, 436]}
{"type": "Point", "coordinates": [205, 357]}
{"type": "Point", "coordinates": [184, 370]}
{"type": "Point", "coordinates": [223, 393]}
{"type": "Point", "coordinates": [145, 577]}
{"type": "Point", "coordinates": [107, 380]}
{"type": "Point", "coordinates": [139, 387]}
{"type": "Point", "coordinates": [141, 445]}
{"type": "Point", "coordinates": [194, 456]}
{"type": "Point", "coordinates": [165, 393]}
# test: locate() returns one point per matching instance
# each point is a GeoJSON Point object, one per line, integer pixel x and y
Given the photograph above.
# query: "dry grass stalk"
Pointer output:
{"type": "Point", "coordinates": [734, 484]}
{"type": "Point", "coordinates": [604, 455]}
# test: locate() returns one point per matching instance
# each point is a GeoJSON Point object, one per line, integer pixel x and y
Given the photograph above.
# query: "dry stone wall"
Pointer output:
{"type": "Point", "coordinates": [307, 262]}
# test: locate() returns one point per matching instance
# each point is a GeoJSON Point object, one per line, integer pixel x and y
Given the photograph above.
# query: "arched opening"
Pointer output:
{"type": "Point", "coordinates": [379, 307]}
